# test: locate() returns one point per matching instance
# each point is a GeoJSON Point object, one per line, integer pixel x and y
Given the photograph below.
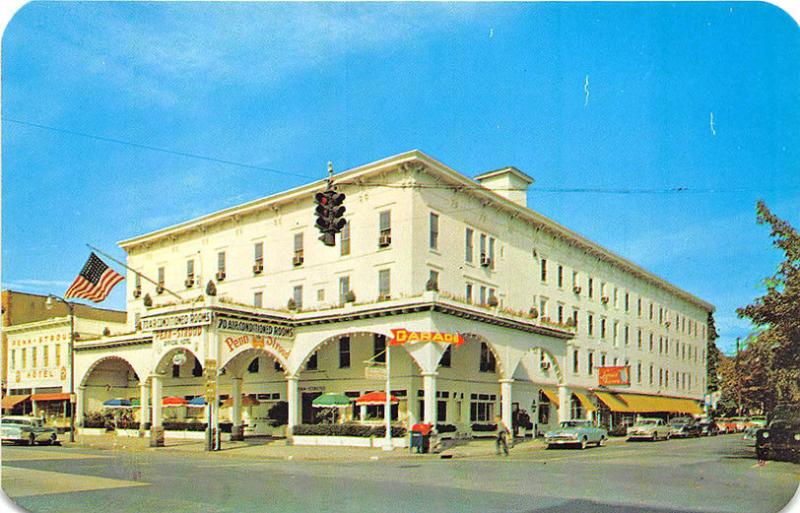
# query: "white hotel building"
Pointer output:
{"type": "Point", "coordinates": [540, 308]}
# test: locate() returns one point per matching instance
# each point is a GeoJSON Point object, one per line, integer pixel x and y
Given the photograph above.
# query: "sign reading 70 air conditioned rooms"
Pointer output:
{"type": "Point", "coordinates": [238, 335]}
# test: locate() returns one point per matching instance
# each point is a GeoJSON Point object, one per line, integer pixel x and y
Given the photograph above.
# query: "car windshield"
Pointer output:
{"type": "Point", "coordinates": [18, 422]}
{"type": "Point", "coordinates": [647, 422]}
{"type": "Point", "coordinates": [786, 413]}
{"type": "Point", "coordinates": [574, 423]}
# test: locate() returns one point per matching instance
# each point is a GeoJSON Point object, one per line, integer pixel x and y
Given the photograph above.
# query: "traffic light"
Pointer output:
{"type": "Point", "coordinates": [329, 214]}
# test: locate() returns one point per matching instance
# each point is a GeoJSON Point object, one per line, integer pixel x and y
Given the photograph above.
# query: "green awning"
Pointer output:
{"type": "Point", "coordinates": [331, 400]}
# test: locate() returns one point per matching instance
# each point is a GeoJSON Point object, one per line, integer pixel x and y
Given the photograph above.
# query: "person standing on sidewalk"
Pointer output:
{"type": "Point", "coordinates": [502, 436]}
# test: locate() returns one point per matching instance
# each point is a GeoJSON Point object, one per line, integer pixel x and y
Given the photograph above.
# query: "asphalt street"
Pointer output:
{"type": "Point", "coordinates": [710, 474]}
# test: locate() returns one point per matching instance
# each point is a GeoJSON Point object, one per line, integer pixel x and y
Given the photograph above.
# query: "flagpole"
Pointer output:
{"type": "Point", "coordinates": [133, 270]}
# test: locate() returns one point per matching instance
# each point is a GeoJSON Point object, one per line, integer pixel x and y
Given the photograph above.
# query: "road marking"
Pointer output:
{"type": "Point", "coordinates": [20, 454]}
{"type": "Point", "coordinates": [22, 482]}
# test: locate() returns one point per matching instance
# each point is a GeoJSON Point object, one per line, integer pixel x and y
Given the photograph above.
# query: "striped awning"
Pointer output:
{"type": "Point", "coordinates": [551, 396]}
{"type": "Point", "coordinates": [587, 404]}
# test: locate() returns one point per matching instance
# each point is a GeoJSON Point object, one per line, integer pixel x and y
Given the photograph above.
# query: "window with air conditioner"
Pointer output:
{"type": "Point", "coordinates": [385, 228]}
{"type": "Point", "coordinates": [344, 239]}
{"type": "Point", "coordinates": [258, 257]}
{"type": "Point", "coordinates": [384, 284]}
{"type": "Point", "coordinates": [298, 249]}
{"type": "Point", "coordinates": [221, 266]}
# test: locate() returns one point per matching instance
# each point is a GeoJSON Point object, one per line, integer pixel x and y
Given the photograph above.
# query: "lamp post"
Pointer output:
{"type": "Point", "coordinates": [71, 350]}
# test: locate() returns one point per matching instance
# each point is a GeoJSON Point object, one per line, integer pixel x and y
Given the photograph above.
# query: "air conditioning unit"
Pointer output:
{"type": "Point", "coordinates": [384, 240]}
{"type": "Point", "coordinates": [576, 289]}
{"type": "Point", "coordinates": [485, 261]}
{"type": "Point", "coordinates": [136, 293]}
{"type": "Point", "coordinates": [384, 297]}
{"type": "Point", "coordinates": [604, 300]}
{"type": "Point", "coordinates": [544, 365]}
{"type": "Point", "coordinates": [189, 282]}
{"type": "Point", "coordinates": [159, 289]}
{"type": "Point", "coordinates": [220, 275]}
{"type": "Point", "coordinates": [297, 260]}
{"type": "Point", "coordinates": [258, 267]}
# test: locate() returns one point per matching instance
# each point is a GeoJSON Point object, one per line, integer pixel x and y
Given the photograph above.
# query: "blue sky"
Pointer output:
{"type": "Point", "coordinates": [286, 87]}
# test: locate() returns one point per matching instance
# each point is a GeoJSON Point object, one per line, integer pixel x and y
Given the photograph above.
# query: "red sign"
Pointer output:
{"type": "Point", "coordinates": [403, 336]}
{"type": "Point", "coordinates": [620, 375]}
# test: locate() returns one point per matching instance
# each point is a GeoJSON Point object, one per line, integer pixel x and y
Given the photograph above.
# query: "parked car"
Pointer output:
{"type": "Point", "coordinates": [27, 430]}
{"type": "Point", "coordinates": [781, 438]}
{"type": "Point", "coordinates": [753, 425]}
{"type": "Point", "coordinates": [576, 432]}
{"type": "Point", "coordinates": [649, 429]}
{"type": "Point", "coordinates": [684, 427]}
{"type": "Point", "coordinates": [726, 425]}
{"type": "Point", "coordinates": [739, 424]}
{"type": "Point", "coordinates": [709, 428]}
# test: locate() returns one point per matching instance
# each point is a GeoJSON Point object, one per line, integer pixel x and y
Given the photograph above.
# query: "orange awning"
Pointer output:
{"type": "Point", "coordinates": [587, 404]}
{"type": "Point", "coordinates": [50, 397]}
{"type": "Point", "coordinates": [10, 401]}
{"type": "Point", "coordinates": [551, 396]}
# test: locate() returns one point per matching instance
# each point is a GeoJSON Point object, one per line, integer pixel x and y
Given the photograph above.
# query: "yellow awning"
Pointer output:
{"type": "Point", "coordinates": [587, 404]}
{"type": "Point", "coordinates": [612, 402]}
{"type": "Point", "coordinates": [636, 403]}
{"type": "Point", "coordinates": [551, 396]}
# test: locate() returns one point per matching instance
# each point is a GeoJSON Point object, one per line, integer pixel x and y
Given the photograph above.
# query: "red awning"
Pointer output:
{"type": "Point", "coordinates": [174, 401]}
{"type": "Point", "coordinates": [375, 399]}
{"type": "Point", "coordinates": [10, 401]}
{"type": "Point", "coordinates": [50, 397]}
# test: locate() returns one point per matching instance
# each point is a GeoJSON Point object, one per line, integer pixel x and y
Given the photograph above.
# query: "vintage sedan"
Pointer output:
{"type": "Point", "coordinates": [709, 428]}
{"type": "Point", "coordinates": [578, 433]}
{"type": "Point", "coordinates": [684, 427]}
{"type": "Point", "coordinates": [649, 429]}
{"type": "Point", "coordinates": [781, 438]}
{"type": "Point", "coordinates": [26, 430]}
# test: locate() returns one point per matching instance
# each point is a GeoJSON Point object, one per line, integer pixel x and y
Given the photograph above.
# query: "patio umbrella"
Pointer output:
{"type": "Point", "coordinates": [247, 400]}
{"type": "Point", "coordinates": [135, 403]}
{"type": "Point", "coordinates": [331, 400]}
{"type": "Point", "coordinates": [376, 399]}
{"type": "Point", "coordinates": [197, 402]}
{"type": "Point", "coordinates": [174, 401]}
{"type": "Point", "coordinates": [117, 403]}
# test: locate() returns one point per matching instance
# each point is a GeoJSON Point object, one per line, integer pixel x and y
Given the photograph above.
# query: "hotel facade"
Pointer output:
{"type": "Point", "coordinates": [267, 312]}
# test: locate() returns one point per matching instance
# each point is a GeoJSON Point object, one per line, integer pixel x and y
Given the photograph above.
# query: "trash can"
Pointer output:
{"type": "Point", "coordinates": [420, 437]}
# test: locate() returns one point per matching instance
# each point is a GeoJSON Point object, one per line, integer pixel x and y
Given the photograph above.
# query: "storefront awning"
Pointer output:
{"type": "Point", "coordinates": [10, 401]}
{"type": "Point", "coordinates": [50, 397]}
{"type": "Point", "coordinates": [638, 403]}
{"type": "Point", "coordinates": [551, 396]}
{"type": "Point", "coordinates": [587, 404]}
{"type": "Point", "coordinates": [612, 402]}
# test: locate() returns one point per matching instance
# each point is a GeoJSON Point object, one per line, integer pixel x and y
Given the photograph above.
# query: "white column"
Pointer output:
{"type": "Point", "coordinates": [563, 403]}
{"type": "Point", "coordinates": [155, 381]}
{"type": "Point", "coordinates": [80, 396]}
{"type": "Point", "coordinates": [144, 404]}
{"type": "Point", "coordinates": [505, 400]}
{"type": "Point", "coordinates": [362, 412]}
{"type": "Point", "coordinates": [429, 387]}
{"type": "Point", "coordinates": [237, 432]}
{"type": "Point", "coordinates": [293, 402]}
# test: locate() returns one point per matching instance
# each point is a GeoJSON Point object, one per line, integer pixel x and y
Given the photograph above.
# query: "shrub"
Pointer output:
{"type": "Point", "coordinates": [446, 428]}
{"type": "Point", "coordinates": [347, 430]}
{"type": "Point", "coordinates": [484, 427]}
{"type": "Point", "coordinates": [279, 414]}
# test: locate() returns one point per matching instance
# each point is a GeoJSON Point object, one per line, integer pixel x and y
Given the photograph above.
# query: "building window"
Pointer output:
{"type": "Point", "coordinates": [197, 370]}
{"type": "Point", "coordinates": [468, 243]}
{"type": "Point", "coordinates": [277, 365]}
{"type": "Point", "coordinates": [176, 371]}
{"type": "Point", "coordinates": [560, 314]}
{"type": "Point", "coordinates": [575, 357]}
{"type": "Point", "coordinates": [345, 239]}
{"type": "Point", "coordinates": [446, 357]}
{"type": "Point", "coordinates": [481, 408]}
{"type": "Point", "coordinates": [602, 360]}
{"type": "Point", "coordinates": [575, 281]}
{"type": "Point", "coordinates": [221, 262]}
{"type": "Point", "coordinates": [344, 352]}
{"type": "Point", "coordinates": [434, 231]}
{"type": "Point", "coordinates": [482, 296]}
{"type": "Point", "coordinates": [258, 254]}
{"type": "Point", "coordinates": [433, 279]}
{"type": "Point", "coordinates": [651, 310]}
{"type": "Point", "coordinates": [45, 356]}
{"type": "Point", "coordinates": [616, 333]}
{"type": "Point", "coordinates": [651, 374]}
{"type": "Point", "coordinates": [297, 295]}
{"type": "Point", "coordinates": [253, 367]}
{"type": "Point", "coordinates": [627, 335]}
{"type": "Point", "coordinates": [639, 307]}
{"type": "Point", "coordinates": [311, 364]}
{"type": "Point", "coordinates": [57, 355]}
{"type": "Point", "coordinates": [24, 359]}
{"type": "Point", "coordinates": [616, 297]}
{"type": "Point", "coordinates": [258, 299]}
{"type": "Point", "coordinates": [590, 363]}
{"type": "Point", "coordinates": [576, 408]}
{"type": "Point", "coordinates": [468, 292]}
{"type": "Point", "coordinates": [651, 342]}
{"type": "Point", "coordinates": [161, 280]}
{"type": "Point", "coordinates": [660, 377]}
{"type": "Point", "coordinates": [638, 372]}
{"type": "Point", "coordinates": [385, 220]}
{"type": "Point", "coordinates": [575, 317]}
{"type": "Point", "coordinates": [627, 301]}
{"type": "Point", "coordinates": [543, 313]}
{"type": "Point", "coordinates": [190, 272]}
{"type": "Point", "coordinates": [320, 294]}
{"type": "Point", "coordinates": [33, 357]}
{"type": "Point", "coordinates": [14, 358]}
{"type": "Point", "coordinates": [560, 276]}
{"type": "Point", "coordinates": [491, 252]}
{"type": "Point", "coordinates": [487, 363]}
{"type": "Point", "coordinates": [384, 284]}
{"type": "Point", "coordinates": [590, 324]}
{"type": "Point", "coordinates": [137, 282]}
{"type": "Point", "coordinates": [590, 285]}
{"type": "Point", "coordinates": [482, 247]}
{"type": "Point", "coordinates": [379, 348]}
{"type": "Point", "coordinates": [344, 288]}
{"type": "Point", "coordinates": [603, 327]}
{"type": "Point", "coordinates": [298, 249]}
{"type": "Point", "coordinates": [543, 269]}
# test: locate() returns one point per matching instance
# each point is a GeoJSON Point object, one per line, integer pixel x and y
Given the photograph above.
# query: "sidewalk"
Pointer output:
{"type": "Point", "coordinates": [279, 450]}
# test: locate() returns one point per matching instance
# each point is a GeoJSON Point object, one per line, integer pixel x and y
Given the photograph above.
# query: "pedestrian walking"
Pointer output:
{"type": "Point", "coordinates": [502, 436]}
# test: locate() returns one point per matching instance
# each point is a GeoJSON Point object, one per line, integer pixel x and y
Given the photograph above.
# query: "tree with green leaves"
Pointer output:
{"type": "Point", "coordinates": [777, 315]}
{"type": "Point", "coordinates": [712, 355]}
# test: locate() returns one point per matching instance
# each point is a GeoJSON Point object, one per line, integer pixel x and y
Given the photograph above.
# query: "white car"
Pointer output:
{"type": "Point", "coordinates": [649, 429]}
{"type": "Point", "coordinates": [26, 430]}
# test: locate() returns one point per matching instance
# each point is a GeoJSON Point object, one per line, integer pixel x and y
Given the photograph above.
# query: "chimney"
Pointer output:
{"type": "Point", "coordinates": [509, 182]}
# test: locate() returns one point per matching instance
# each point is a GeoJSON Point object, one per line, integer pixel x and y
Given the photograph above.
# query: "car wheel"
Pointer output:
{"type": "Point", "coordinates": [667, 437]}
{"type": "Point", "coordinates": [52, 439]}
{"type": "Point", "coordinates": [583, 443]}
{"type": "Point", "coordinates": [601, 442]}
{"type": "Point", "coordinates": [32, 439]}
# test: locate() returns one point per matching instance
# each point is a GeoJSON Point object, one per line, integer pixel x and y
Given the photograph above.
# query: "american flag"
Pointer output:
{"type": "Point", "coordinates": [95, 281]}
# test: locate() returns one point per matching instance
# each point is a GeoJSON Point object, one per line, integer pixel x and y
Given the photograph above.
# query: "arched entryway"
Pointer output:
{"type": "Point", "coordinates": [108, 378]}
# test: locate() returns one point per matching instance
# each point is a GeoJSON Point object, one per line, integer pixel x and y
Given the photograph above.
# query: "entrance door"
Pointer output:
{"type": "Point", "coordinates": [309, 413]}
